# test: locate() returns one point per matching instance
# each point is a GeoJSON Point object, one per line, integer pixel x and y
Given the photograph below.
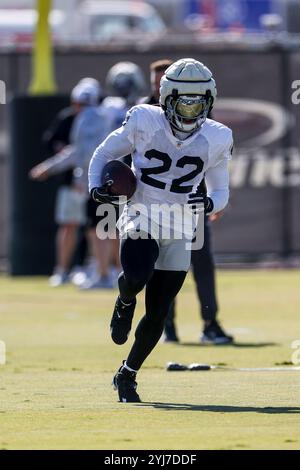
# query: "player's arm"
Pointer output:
{"type": "Point", "coordinates": [216, 194]}
{"type": "Point", "coordinates": [71, 155]}
{"type": "Point", "coordinates": [215, 197]}
{"type": "Point", "coordinates": [217, 176]}
{"type": "Point", "coordinates": [63, 160]}
{"type": "Point", "coordinates": [118, 144]}
{"type": "Point", "coordinates": [217, 181]}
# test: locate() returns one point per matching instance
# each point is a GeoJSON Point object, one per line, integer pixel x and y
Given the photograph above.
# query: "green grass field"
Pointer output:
{"type": "Point", "coordinates": [55, 390]}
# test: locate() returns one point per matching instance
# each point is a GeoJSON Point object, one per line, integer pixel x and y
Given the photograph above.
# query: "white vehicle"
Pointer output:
{"type": "Point", "coordinates": [96, 21]}
{"type": "Point", "coordinates": [92, 22]}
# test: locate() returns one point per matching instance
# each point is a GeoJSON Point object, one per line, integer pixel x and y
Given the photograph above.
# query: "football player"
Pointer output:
{"type": "Point", "coordinates": [172, 146]}
{"type": "Point", "coordinates": [202, 260]}
{"type": "Point", "coordinates": [125, 81]}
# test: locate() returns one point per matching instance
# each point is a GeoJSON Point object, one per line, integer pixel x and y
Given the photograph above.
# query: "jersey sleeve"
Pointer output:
{"type": "Point", "coordinates": [217, 175]}
{"type": "Point", "coordinates": [223, 149]}
{"type": "Point", "coordinates": [119, 143]}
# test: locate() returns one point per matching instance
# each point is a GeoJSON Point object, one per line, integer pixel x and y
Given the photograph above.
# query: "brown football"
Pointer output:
{"type": "Point", "coordinates": [120, 178]}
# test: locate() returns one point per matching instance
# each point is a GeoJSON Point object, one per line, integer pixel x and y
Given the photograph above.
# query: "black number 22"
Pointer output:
{"type": "Point", "coordinates": [176, 186]}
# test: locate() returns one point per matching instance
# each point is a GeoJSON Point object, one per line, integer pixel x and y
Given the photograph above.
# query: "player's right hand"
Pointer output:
{"type": "Point", "coordinates": [102, 195]}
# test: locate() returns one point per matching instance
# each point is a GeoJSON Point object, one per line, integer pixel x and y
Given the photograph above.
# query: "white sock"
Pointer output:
{"type": "Point", "coordinates": [125, 366]}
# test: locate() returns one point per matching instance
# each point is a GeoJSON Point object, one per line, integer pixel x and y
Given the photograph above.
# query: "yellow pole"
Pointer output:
{"type": "Point", "coordinates": [43, 81]}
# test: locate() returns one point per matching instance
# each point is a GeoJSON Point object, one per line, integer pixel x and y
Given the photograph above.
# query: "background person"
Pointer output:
{"type": "Point", "coordinates": [68, 210]}
{"type": "Point", "coordinates": [125, 84]}
{"type": "Point", "coordinates": [91, 126]}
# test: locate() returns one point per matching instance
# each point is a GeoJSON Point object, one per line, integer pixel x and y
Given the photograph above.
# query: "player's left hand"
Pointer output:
{"type": "Point", "coordinates": [199, 201]}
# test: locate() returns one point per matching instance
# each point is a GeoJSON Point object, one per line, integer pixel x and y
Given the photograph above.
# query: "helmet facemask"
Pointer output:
{"type": "Point", "coordinates": [186, 113]}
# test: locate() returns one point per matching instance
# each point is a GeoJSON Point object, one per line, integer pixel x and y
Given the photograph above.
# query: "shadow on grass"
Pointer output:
{"type": "Point", "coordinates": [232, 345]}
{"type": "Point", "coordinates": [222, 408]}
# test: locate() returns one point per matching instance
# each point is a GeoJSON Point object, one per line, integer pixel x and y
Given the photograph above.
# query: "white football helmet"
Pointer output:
{"type": "Point", "coordinates": [187, 94]}
{"type": "Point", "coordinates": [126, 79]}
{"type": "Point", "coordinates": [92, 82]}
{"type": "Point", "coordinates": [85, 94]}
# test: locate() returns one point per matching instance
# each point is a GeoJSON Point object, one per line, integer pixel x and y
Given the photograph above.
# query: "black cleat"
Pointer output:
{"type": "Point", "coordinates": [214, 334]}
{"type": "Point", "coordinates": [124, 382]}
{"type": "Point", "coordinates": [120, 324]}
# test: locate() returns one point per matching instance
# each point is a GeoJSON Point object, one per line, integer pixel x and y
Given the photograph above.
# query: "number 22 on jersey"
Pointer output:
{"type": "Point", "coordinates": [177, 183]}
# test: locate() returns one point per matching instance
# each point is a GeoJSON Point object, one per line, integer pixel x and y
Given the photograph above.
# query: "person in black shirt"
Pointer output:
{"type": "Point", "coordinates": [57, 136]}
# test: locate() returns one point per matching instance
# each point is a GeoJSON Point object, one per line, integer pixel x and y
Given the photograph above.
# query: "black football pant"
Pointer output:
{"type": "Point", "coordinates": [204, 276]}
{"type": "Point", "coordinates": [138, 259]}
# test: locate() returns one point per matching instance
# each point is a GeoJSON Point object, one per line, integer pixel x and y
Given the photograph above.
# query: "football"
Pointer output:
{"type": "Point", "coordinates": [120, 179]}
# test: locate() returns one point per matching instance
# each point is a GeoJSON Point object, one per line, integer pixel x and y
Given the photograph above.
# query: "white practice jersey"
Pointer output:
{"type": "Point", "coordinates": [168, 169]}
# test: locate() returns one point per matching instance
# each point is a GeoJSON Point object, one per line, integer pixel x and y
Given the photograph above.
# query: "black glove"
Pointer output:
{"type": "Point", "coordinates": [199, 200]}
{"type": "Point", "coordinates": [101, 194]}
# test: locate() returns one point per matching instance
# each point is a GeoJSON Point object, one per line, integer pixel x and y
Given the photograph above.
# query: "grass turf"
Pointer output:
{"type": "Point", "coordinates": [55, 387]}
